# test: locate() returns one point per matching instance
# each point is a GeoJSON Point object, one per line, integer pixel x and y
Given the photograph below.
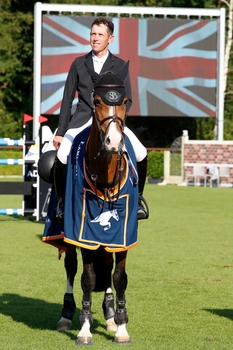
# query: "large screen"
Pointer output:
{"type": "Point", "coordinates": [173, 62]}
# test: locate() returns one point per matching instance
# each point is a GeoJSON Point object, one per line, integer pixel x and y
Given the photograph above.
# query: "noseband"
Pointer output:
{"type": "Point", "coordinates": [112, 119]}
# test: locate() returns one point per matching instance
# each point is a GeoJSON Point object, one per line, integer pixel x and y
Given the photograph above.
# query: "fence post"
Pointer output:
{"type": "Point", "coordinates": [185, 138]}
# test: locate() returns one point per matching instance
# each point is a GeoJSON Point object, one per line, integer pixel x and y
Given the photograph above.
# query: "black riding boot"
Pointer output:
{"type": "Point", "coordinates": [59, 185]}
{"type": "Point", "coordinates": [143, 210]}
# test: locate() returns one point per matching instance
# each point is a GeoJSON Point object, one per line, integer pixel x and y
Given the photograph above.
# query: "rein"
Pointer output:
{"type": "Point", "coordinates": [106, 188]}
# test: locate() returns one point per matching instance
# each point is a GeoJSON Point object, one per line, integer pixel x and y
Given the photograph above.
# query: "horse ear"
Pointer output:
{"type": "Point", "coordinates": [123, 74]}
{"type": "Point", "coordinates": [95, 77]}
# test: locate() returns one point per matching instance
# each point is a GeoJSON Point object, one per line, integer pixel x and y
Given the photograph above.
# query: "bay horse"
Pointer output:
{"type": "Point", "coordinates": [100, 212]}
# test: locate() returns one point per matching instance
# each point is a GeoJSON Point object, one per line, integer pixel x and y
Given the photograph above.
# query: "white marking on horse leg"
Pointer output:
{"type": "Point", "coordinates": [84, 337]}
{"type": "Point", "coordinates": [111, 325]}
{"type": "Point", "coordinates": [85, 330]}
{"type": "Point", "coordinates": [122, 331]}
{"type": "Point", "coordinates": [109, 290]}
{"type": "Point", "coordinates": [122, 335]}
{"type": "Point", "coordinates": [69, 288]}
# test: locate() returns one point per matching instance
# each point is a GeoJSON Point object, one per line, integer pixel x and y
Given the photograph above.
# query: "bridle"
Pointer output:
{"type": "Point", "coordinates": [112, 119]}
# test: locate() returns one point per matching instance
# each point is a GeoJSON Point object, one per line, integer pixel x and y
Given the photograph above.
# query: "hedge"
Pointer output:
{"type": "Point", "coordinates": [155, 164]}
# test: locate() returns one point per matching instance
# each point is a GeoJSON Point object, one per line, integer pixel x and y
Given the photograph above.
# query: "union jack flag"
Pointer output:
{"type": "Point", "coordinates": [173, 62]}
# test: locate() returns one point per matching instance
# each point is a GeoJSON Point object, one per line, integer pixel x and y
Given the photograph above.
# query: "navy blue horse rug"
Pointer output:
{"type": "Point", "coordinates": [90, 220]}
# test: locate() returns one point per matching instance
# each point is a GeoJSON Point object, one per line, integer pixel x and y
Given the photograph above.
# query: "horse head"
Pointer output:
{"type": "Point", "coordinates": [110, 108]}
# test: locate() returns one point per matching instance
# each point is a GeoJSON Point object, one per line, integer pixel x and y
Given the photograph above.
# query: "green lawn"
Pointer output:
{"type": "Point", "coordinates": [6, 170]}
{"type": "Point", "coordinates": [180, 278]}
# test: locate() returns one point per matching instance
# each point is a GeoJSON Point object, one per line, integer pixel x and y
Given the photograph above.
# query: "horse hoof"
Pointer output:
{"type": "Point", "coordinates": [84, 341]}
{"type": "Point", "coordinates": [122, 340]}
{"type": "Point", "coordinates": [64, 325]}
{"type": "Point", "coordinates": [111, 325]}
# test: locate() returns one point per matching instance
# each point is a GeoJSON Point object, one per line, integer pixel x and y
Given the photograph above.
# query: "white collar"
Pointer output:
{"type": "Point", "coordinates": [99, 60]}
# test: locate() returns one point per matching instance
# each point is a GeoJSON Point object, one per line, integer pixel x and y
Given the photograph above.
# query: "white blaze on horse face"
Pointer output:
{"type": "Point", "coordinates": [113, 138]}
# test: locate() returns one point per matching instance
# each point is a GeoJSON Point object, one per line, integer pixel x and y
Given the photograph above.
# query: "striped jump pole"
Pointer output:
{"type": "Point", "coordinates": [11, 211]}
{"type": "Point", "coordinates": [11, 142]}
{"type": "Point", "coordinates": [8, 161]}
{"type": "Point", "coordinates": [14, 211]}
{"type": "Point", "coordinates": [25, 188]}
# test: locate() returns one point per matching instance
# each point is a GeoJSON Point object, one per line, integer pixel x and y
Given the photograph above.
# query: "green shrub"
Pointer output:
{"type": "Point", "coordinates": [155, 164]}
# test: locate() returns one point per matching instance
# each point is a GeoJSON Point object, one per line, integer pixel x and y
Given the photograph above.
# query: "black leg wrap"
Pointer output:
{"type": "Point", "coordinates": [121, 316]}
{"type": "Point", "coordinates": [108, 306]}
{"type": "Point", "coordinates": [69, 306]}
{"type": "Point", "coordinates": [86, 314]}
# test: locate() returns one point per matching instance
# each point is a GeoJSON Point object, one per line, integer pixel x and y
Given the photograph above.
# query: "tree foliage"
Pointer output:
{"type": "Point", "coordinates": [15, 65]}
{"type": "Point", "coordinates": [16, 73]}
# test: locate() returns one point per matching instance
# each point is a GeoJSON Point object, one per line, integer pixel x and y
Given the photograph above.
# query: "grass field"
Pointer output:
{"type": "Point", "coordinates": [6, 170]}
{"type": "Point", "coordinates": [180, 290]}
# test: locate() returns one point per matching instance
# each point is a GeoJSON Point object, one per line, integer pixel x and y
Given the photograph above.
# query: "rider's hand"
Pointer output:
{"type": "Point", "coordinates": [57, 141]}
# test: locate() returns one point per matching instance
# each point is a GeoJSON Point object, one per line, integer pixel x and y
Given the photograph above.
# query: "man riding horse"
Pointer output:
{"type": "Point", "coordinates": [101, 60]}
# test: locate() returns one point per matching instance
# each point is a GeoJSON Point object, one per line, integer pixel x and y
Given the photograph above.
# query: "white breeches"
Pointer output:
{"type": "Point", "coordinates": [64, 149]}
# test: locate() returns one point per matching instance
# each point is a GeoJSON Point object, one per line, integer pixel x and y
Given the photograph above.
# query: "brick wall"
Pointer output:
{"type": "Point", "coordinates": [208, 152]}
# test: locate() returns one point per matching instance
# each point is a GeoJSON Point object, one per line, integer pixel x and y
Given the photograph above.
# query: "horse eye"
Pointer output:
{"type": "Point", "coordinates": [97, 102]}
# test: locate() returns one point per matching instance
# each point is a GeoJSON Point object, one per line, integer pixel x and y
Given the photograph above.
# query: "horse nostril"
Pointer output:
{"type": "Point", "coordinates": [107, 141]}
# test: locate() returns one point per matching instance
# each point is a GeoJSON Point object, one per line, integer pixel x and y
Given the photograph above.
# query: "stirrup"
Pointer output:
{"type": "Point", "coordinates": [60, 210]}
{"type": "Point", "coordinates": [143, 209]}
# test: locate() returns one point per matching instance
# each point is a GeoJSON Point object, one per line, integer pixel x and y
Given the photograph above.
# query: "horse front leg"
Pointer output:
{"type": "Point", "coordinates": [109, 310]}
{"type": "Point", "coordinates": [120, 283]}
{"type": "Point", "coordinates": [103, 265]}
{"type": "Point", "coordinates": [69, 306]}
{"type": "Point", "coordinates": [88, 280]}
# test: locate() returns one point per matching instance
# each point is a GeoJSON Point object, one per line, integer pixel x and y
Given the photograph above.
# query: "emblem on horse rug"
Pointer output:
{"type": "Point", "coordinates": [104, 218]}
